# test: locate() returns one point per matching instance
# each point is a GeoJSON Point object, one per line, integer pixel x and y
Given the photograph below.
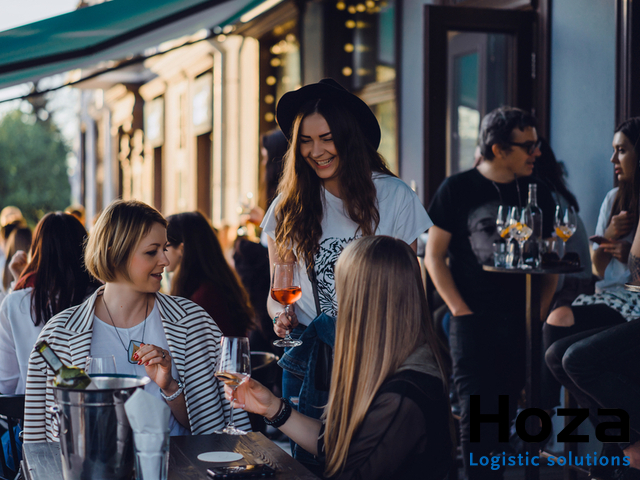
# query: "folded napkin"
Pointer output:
{"type": "Point", "coordinates": [149, 420]}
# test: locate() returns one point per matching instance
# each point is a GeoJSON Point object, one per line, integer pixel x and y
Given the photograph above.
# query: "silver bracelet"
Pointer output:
{"type": "Point", "coordinates": [175, 395]}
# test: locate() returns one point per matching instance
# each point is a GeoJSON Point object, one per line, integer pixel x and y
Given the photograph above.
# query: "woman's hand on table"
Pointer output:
{"type": "Point", "coordinates": [620, 226]}
{"type": "Point", "coordinates": [283, 323]}
{"type": "Point", "coordinates": [157, 364]}
{"type": "Point", "coordinates": [254, 397]}
{"type": "Point", "coordinates": [618, 249]}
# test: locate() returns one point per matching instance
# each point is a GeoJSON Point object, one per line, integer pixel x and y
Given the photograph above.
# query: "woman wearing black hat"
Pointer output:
{"type": "Point", "coordinates": [335, 188]}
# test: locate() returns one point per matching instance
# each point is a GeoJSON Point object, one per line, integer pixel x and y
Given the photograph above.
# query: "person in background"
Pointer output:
{"type": "Point", "coordinates": [54, 279]}
{"type": "Point", "coordinates": [201, 273]}
{"type": "Point", "coordinates": [612, 304]}
{"type": "Point", "coordinates": [10, 219]}
{"type": "Point", "coordinates": [602, 372]}
{"type": "Point", "coordinates": [487, 327]}
{"type": "Point", "coordinates": [144, 330]}
{"type": "Point", "coordinates": [77, 211]}
{"type": "Point", "coordinates": [251, 259]}
{"type": "Point", "coordinates": [17, 244]}
{"type": "Point", "coordinates": [10, 215]}
{"type": "Point", "coordinates": [388, 415]}
{"type": "Point", "coordinates": [335, 188]}
{"type": "Point", "coordinates": [551, 172]}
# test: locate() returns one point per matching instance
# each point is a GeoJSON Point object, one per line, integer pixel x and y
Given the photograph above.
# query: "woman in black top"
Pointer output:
{"type": "Point", "coordinates": [388, 411]}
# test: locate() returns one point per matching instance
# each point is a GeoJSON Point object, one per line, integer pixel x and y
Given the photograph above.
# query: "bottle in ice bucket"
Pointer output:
{"type": "Point", "coordinates": [66, 376]}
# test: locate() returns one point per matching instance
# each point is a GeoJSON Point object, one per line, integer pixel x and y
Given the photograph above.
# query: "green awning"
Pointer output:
{"type": "Point", "coordinates": [107, 31]}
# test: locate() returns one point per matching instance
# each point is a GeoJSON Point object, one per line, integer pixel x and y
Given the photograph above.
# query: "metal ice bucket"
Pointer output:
{"type": "Point", "coordinates": [96, 440]}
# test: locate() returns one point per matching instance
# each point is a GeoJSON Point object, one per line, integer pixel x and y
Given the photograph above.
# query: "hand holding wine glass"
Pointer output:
{"type": "Point", "coordinates": [234, 369]}
{"type": "Point", "coordinates": [286, 290]}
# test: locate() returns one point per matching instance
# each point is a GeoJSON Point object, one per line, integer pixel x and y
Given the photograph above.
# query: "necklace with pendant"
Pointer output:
{"type": "Point", "coordinates": [134, 345]}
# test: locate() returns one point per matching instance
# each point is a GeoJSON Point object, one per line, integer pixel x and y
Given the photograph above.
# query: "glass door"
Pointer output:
{"type": "Point", "coordinates": [475, 60]}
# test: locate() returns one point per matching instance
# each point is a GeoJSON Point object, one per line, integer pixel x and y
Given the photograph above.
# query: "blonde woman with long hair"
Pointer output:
{"type": "Point", "coordinates": [388, 410]}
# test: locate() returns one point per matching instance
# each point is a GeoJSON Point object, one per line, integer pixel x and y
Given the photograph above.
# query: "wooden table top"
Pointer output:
{"type": "Point", "coordinates": [42, 460]}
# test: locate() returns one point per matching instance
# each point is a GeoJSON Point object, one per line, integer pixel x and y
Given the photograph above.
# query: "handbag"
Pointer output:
{"type": "Point", "coordinates": [324, 357]}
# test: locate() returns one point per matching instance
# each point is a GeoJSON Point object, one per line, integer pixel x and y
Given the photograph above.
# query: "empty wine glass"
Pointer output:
{"type": "Point", "coordinates": [234, 369]}
{"type": "Point", "coordinates": [285, 289]}
{"type": "Point", "coordinates": [100, 365]}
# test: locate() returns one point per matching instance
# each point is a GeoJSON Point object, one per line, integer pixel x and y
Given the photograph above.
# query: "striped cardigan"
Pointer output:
{"type": "Point", "coordinates": [194, 341]}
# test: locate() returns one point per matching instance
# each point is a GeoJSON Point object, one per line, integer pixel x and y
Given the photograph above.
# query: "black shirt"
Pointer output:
{"type": "Point", "coordinates": [466, 206]}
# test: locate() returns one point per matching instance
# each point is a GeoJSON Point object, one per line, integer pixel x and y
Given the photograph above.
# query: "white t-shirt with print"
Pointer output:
{"type": "Point", "coordinates": [105, 342]}
{"type": "Point", "coordinates": [401, 216]}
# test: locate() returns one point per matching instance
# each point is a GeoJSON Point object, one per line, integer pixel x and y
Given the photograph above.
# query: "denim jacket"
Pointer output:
{"type": "Point", "coordinates": [301, 362]}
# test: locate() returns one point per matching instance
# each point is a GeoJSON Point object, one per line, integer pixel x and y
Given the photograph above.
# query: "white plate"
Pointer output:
{"type": "Point", "coordinates": [219, 457]}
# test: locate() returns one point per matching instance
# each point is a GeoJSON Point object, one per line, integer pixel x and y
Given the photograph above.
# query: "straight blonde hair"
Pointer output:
{"type": "Point", "coordinates": [383, 317]}
{"type": "Point", "coordinates": [116, 235]}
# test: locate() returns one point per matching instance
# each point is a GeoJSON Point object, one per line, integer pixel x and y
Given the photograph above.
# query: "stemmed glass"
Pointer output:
{"type": "Point", "coordinates": [285, 289]}
{"type": "Point", "coordinates": [234, 369]}
{"type": "Point", "coordinates": [566, 223]}
{"type": "Point", "coordinates": [502, 221]}
{"type": "Point", "coordinates": [520, 230]}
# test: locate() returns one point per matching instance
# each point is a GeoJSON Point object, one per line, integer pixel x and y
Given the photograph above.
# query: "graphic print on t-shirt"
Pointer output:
{"type": "Point", "coordinates": [481, 224]}
{"type": "Point", "coordinates": [326, 258]}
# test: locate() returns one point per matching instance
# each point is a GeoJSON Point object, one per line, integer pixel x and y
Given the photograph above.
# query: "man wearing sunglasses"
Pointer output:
{"type": "Point", "coordinates": [487, 324]}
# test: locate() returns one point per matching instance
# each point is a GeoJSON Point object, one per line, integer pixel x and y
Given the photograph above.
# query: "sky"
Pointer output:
{"type": "Point", "coordinates": [16, 13]}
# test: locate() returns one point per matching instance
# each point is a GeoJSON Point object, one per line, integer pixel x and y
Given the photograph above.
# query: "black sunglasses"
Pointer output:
{"type": "Point", "coordinates": [529, 147]}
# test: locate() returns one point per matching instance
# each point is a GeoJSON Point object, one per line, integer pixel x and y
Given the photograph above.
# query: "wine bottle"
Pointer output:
{"type": "Point", "coordinates": [532, 246]}
{"type": "Point", "coordinates": [66, 376]}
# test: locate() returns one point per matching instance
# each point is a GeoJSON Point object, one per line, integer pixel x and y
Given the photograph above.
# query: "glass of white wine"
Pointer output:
{"type": "Point", "coordinates": [234, 369]}
{"type": "Point", "coordinates": [566, 223]}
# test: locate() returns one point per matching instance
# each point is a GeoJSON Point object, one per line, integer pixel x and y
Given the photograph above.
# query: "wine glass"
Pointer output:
{"type": "Point", "coordinates": [521, 231]}
{"type": "Point", "coordinates": [566, 223]}
{"type": "Point", "coordinates": [233, 370]}
{"type": "Point", "coordinates": [502, 221]}
{"type": "Point", "coordinates": [513, 220]}
{"type": "Point", "coordinates": [285, 289]}
{"type": "Point", "coordinates": [100, 365]}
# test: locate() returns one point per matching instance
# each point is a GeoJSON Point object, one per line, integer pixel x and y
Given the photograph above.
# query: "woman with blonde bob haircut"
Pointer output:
{"type": "Point", "coordinates": [388, 411]}
{"type": "Point", "coordinates": [169, 339]}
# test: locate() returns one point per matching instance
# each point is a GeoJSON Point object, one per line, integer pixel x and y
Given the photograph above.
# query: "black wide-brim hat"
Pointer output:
{"type": "Point", "coordinates": [327, 89]}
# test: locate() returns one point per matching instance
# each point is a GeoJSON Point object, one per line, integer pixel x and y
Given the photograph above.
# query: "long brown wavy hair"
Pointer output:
{"type": "Point", "coordinates": [203, 261]}
{"type": "Point", "coordinates": [383, 317]}
{"type": "Point", "coordinates": [627, 196]}
{"type": "Point", "coordinates": [300, 211]}
{"type": "Point", "coordinates": [57, 270]}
